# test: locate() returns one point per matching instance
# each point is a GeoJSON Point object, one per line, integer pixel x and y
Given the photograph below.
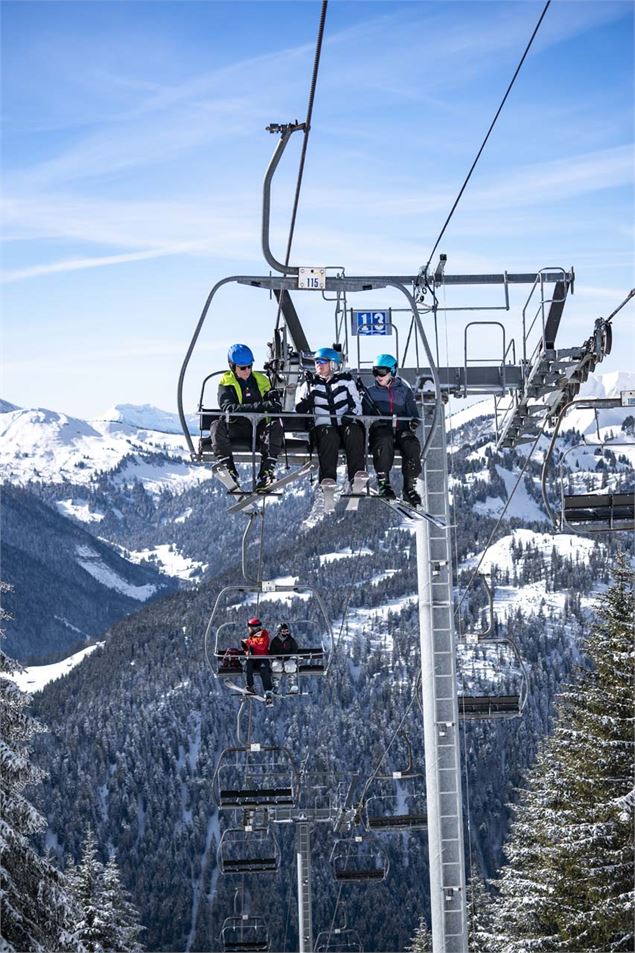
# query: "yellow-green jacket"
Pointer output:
{"type": "Point", "coordinates": [234, 393]}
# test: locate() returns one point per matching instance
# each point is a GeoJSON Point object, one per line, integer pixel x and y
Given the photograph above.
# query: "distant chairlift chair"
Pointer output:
{"type": "Point", "coordinates": [486, 706]}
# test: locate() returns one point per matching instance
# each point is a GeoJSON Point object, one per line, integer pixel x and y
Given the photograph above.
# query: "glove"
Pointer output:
{"type": "Point", "coordinates": [414, 424]}
{"type": "Point", "coordinates": [273, 405]}
{"type": "Point", "coordinates": [274, 396]}
{"type": "Point", "coordinates": [309, 377]}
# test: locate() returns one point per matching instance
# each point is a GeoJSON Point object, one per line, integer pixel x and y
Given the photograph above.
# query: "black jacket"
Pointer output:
{"type": "Point", "coordinates": [280, 647]}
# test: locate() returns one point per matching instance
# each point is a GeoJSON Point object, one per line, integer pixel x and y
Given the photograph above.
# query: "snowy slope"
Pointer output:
{"type": "Point", "coordinates": [35, 677]}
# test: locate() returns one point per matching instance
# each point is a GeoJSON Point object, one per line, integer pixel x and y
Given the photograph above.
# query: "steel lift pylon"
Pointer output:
{"type": "Point", "coordinates": [440, 703]}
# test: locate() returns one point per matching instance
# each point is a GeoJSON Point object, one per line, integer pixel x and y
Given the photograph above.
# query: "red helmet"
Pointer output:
{"type": "Point", "coordinates": [254, 623]}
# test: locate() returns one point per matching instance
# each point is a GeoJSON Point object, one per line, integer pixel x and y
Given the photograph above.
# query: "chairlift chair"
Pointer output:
{"type": "Point", "coordinates": [338, 940]}
{"type": "Point", "coordinates": [247, 850]}
{"type": "Point", "coordinates": [313, 635]}
{"type": "Point", "coordinates": [359, 859]}
{"type": "Point", "coordinates": [490, 705]}
{"type": "Point", "coordinates": [244, 933]}
{"type": "Point", "coordinates": [254, 776]}
{"type": "Point", "coordinates": [593, 512]}
{"type": "Point", "coordinates": [396, 802]}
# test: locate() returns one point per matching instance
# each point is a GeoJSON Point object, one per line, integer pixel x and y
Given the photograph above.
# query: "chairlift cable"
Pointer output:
{"type": "Point", "coordinates": [261, 554]}
{"type": "Point", "coordinates": [305, 143]}
{"type": "Point", "coordinates": [337, 903]}
{"type": "Point", "coordinates": [628, 297]}
{"type": "Point", "coordinates": [504, 510]}
{"type": "Point", "coordinates": [347, 602]}
{"type": "Point", "coordinates": [478, 155]}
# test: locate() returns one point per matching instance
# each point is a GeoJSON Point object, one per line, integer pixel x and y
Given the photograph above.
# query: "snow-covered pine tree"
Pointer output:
{"type": "Point", "coordinates": [35, 904]}
{"type": "Point", "coordinates": [120, 912]}
{"type": "Point", "coordinates": [480, 913]}
{"type": "Point", "coordinates": [106, 921]}
{"type": "Point", "coordinates": [422, 940]}
{"type": "Point", "coordinates": [569, 882]}
{"type": "Point", "coordinates": [91, 928]}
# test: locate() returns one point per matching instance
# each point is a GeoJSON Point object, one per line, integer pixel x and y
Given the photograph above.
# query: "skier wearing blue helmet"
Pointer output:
{"type": "Point", "coordinates": [331, 395]}
{"type": "Point", "coordinates": [242, 390]}
{"type": "Point", "coordinates": [391, 397]}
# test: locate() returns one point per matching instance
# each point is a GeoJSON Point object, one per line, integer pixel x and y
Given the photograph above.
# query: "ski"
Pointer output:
{"type": "Point", "coordinates": [254, 497]}
{"type": "Point", "coordinates": [327, 489]}
{"type": "Point", "coordinates": [409, 512]}
{"type": "Point", "coordinates": [243, 691]}
{"type": "Point", "coordinates": [223, 475]}
{"type": "Point", "coordinates": [358, 489]}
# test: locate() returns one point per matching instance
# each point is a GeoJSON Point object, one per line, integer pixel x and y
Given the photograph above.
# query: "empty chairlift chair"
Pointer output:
{"type": "Point", "coordinates": [359, 859]}
{"type": "Point", "coordinates": [475, 704]}
{"type": "Point", "coordinates": [244, 933]}
{"type": "Point", "coordinates": [609, 508]}
{"type": "Point", "coordinates": [397, 801]}
{"type": "Point", "coordinates": [501, 657]}
{"type": "Point", "coordinates": [248, 851]}
{"type": "Point", "coordinates": [339, 940]}
{"type": "Point", "coordinates": [254, 776]}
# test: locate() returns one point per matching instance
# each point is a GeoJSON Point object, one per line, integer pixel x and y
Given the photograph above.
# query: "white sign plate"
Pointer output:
{"type": "Point", "coordinates": [312, 279]}
{"type": "Point", "coordinates": [628, 398]}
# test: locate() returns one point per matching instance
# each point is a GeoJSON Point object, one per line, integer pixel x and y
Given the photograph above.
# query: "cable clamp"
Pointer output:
{"type": "Point", "coordinates": [284, 127]}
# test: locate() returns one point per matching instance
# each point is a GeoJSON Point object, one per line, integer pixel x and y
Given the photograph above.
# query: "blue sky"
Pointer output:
{"type": "Point", "coordinates": [134, 150]}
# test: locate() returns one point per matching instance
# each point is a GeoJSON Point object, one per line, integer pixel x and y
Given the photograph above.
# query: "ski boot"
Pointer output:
{"type": "Point", "coordinates": [250, 690]}
{"type": "Point", "coordinates": [227, 464]}
{"type": "Point", "coordinates": [410, 494]}
{"type": "Point", "coordinates": [384, 488]}
{"type": "Point", "coordinates": [269, 699]}
{"type": "Point", "coordinates": [266, 477]}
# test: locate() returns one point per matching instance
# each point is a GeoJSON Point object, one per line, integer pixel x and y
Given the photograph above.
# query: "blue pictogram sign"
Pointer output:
{"type": "Point", "coordinates": [371, 322]}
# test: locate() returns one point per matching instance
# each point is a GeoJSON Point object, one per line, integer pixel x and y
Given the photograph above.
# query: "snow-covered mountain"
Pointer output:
{"type": "Point", "coordinates": [147, 417]}
{"type": "Point", "coordinates": [134, 444]}
{"type": "Point", "coordinates": [67, 585]}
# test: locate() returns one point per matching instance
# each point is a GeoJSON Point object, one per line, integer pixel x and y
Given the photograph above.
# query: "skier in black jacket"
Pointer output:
{"type": "Point", "coordinates": [284, 645]}
{"type": "Point", "coordinates": [390, 396]}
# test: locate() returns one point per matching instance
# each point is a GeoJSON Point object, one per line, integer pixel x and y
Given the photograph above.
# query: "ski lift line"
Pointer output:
{"type": "Point", "coordinates": [628, 297]}
{"type": "Point", "coordinates": [305, 143]}
{"type": "Point", "coordinates": [500, 518]}
{"type": "Point", "coordinates": [493, 123]}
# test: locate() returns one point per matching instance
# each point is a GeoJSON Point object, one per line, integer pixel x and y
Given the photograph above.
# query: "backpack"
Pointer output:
{"type": "Point", "coordinates": [230, 662]}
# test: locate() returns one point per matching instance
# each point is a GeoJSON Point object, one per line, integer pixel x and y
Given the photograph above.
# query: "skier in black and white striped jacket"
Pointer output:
{"type": "Point", "coordinates": [332, 397]}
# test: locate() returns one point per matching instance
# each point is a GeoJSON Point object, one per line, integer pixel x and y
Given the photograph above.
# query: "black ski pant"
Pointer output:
{"type": "Point", "coordinates": [262, 666]}
{"type": "Point", "coordinates": [329, 439]}
{"type": "Point", "coordinates": [268, 436]}
{"type": "Point", "coordinates": [382, 442]}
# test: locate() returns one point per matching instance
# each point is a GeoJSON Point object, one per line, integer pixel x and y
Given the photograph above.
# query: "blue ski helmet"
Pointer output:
{"type": "Point", "coordinates": [328, 354]}
{"type": "Point", "coordinates": [386, 360]}
{"type": "Point", "coordinates": [239, 354]}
